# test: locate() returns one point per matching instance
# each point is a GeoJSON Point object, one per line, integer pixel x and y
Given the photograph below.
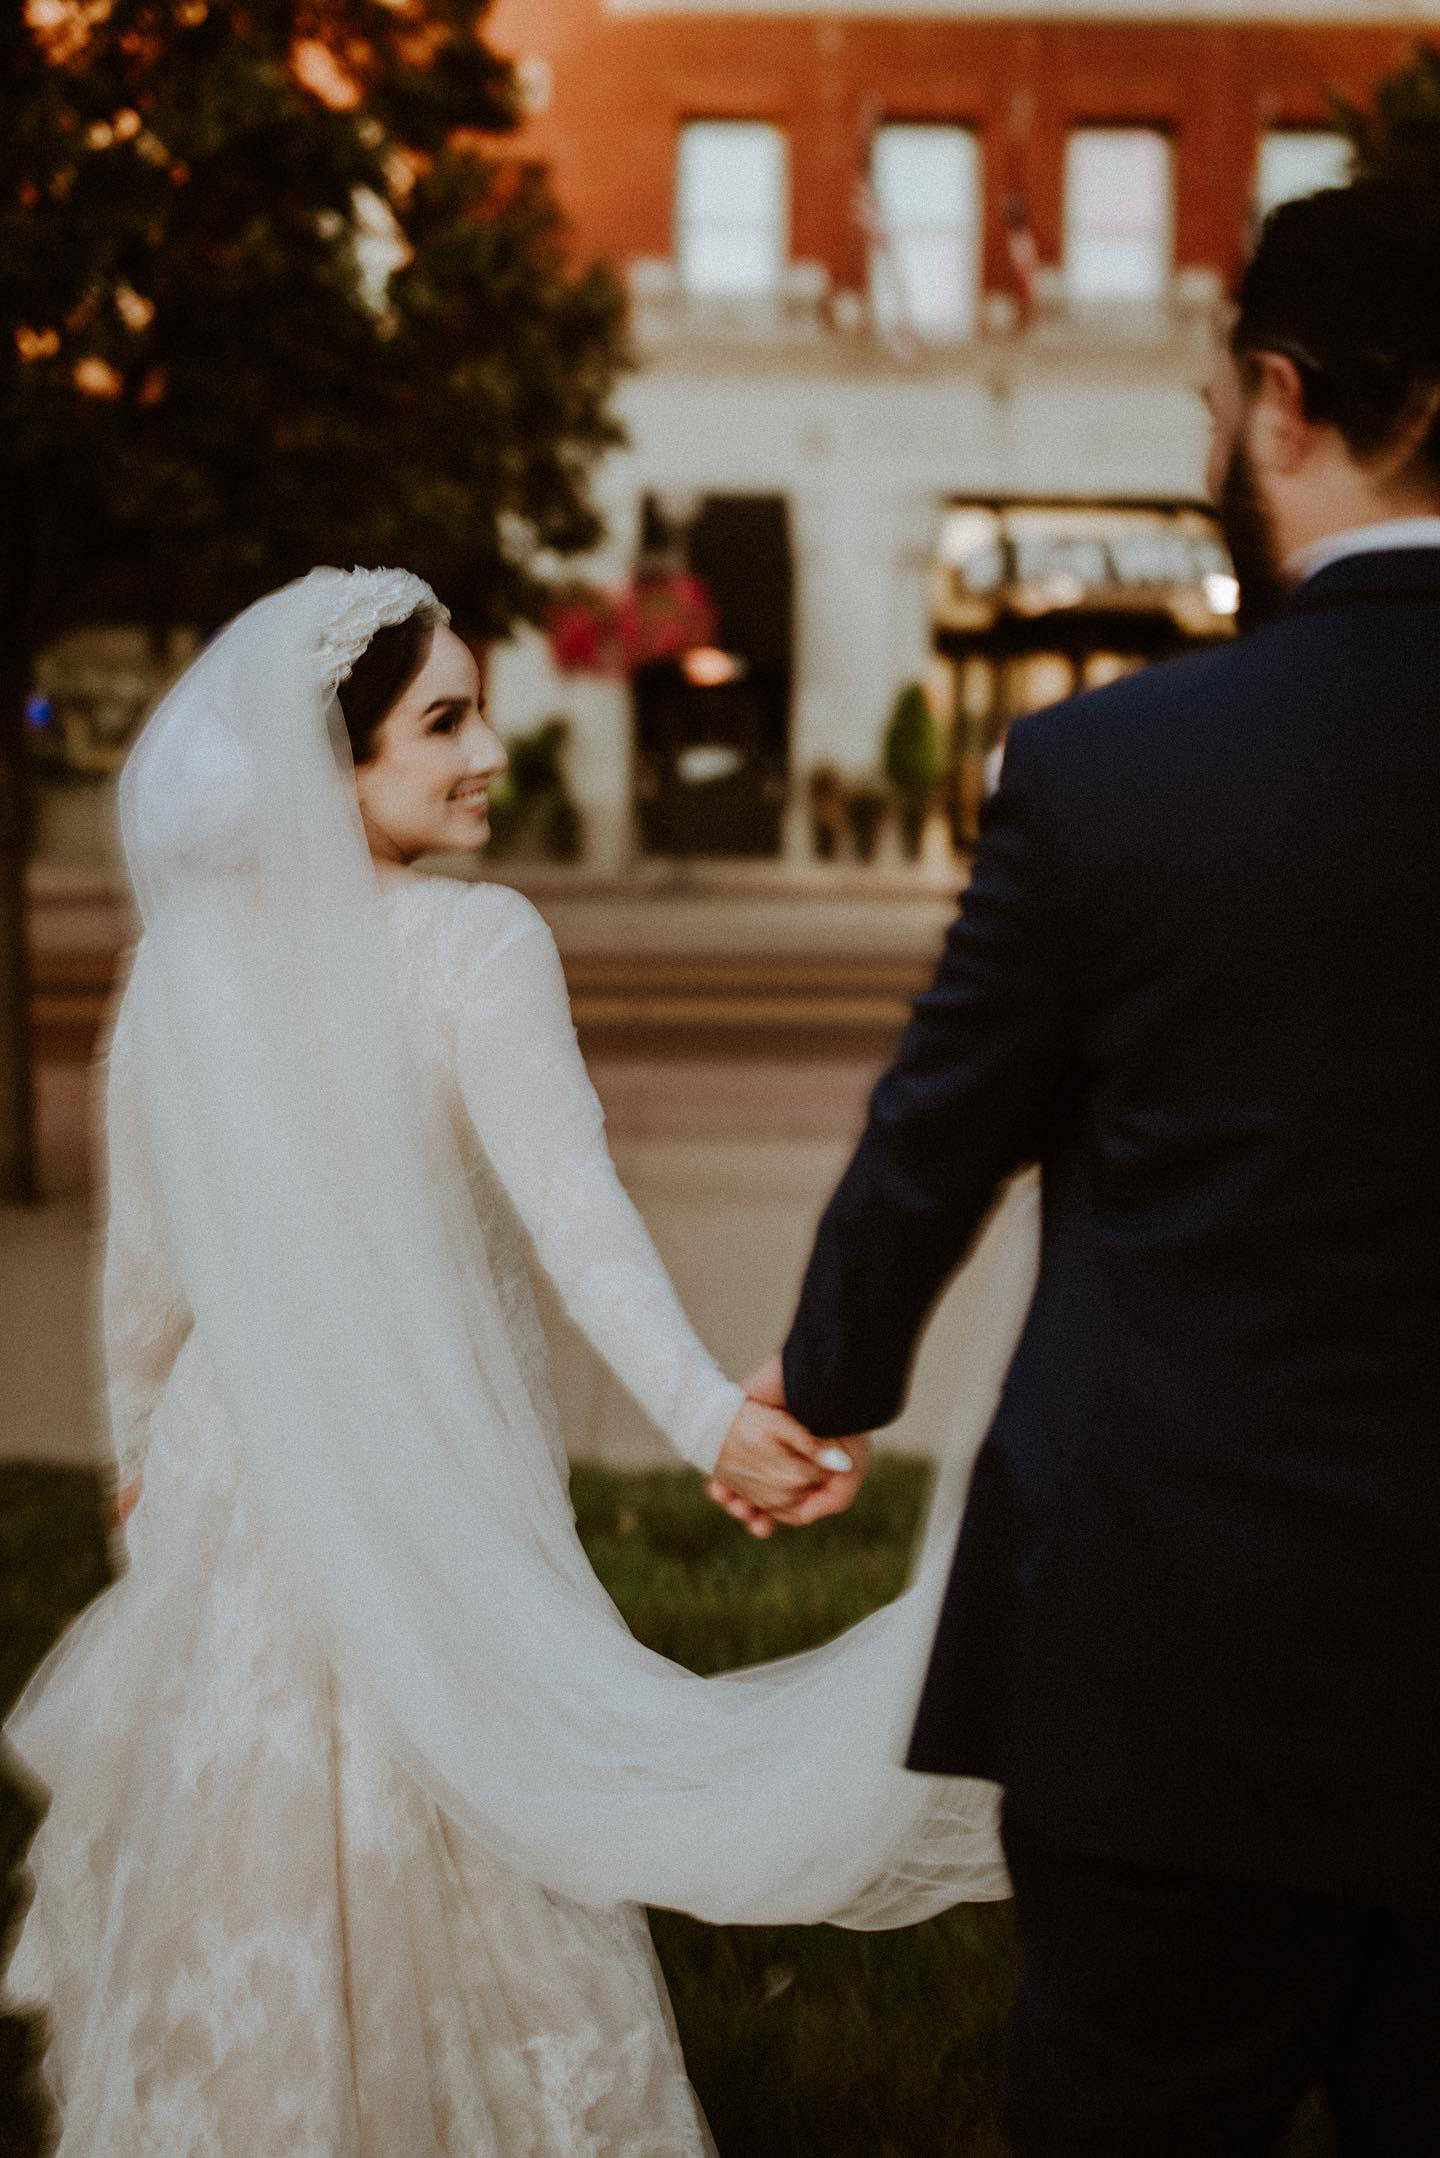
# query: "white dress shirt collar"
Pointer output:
{"type": "Point", "coordinates": [1364, 539]}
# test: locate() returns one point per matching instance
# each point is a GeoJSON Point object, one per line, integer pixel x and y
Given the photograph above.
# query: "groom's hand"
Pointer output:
{"type": "Point", "coordinates": [830, 1493]}
{"type": "Point", "coordinates": [768, 1462]}
{"type": "Point", "coordinates": [768, 1383]}
{"type": "Point", "coordinates": [840, 1487]}
{"type": "Point", "coordinates": [836, 1490]}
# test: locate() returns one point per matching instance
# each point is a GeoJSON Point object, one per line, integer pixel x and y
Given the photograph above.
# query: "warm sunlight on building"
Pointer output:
{"type": "Point", "coordinates": [896, 266]}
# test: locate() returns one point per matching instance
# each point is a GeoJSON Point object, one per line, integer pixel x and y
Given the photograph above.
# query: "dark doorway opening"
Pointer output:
{"type": "Point", "coordinates": [713, 727]}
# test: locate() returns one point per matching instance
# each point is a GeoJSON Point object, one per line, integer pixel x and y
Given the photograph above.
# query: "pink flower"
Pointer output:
{"type": "Point", "coordinates": [653, 618]}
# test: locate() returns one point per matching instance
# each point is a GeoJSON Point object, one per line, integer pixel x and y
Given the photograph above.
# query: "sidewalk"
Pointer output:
{"type": "Point", "coordinates": [823, 968]}
{"type": "Point", "coordinates": [730, 1163]}
{"type": "Point", "coordinates": [734, 1019]}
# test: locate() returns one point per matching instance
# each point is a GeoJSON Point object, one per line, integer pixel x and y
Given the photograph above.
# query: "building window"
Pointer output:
{"type": "Point", "coordinates": [732, 208]}
{"type": "Point", "coordinates": [1299, 161]}
{"type": "Point", "coordinates": [1119, 213]}
{"type": "Point", "coordinates": [925, 237]}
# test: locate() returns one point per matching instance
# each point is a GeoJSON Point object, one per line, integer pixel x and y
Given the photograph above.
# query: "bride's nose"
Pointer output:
{"type": "Point", "coordinates": [488, 757]}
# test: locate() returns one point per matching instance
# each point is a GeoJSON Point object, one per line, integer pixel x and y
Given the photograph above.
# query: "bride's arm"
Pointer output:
{"type": "Point", "coordinates": [537, 1116]}
{"type": "Point", "coordinates": [144, 1317]}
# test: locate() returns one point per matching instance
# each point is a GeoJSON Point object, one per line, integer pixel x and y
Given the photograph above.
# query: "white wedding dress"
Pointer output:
{"type": "Point", "coordinates": [357, 1782]}
{"type": "Point", "coordinates": [255, 1932]}
{"type": "Point", "coordinates": [252, 1928]}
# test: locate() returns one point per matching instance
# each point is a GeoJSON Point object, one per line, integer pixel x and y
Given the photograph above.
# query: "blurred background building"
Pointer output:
{"type": "Point", "coordinates": [921, 301]}
{"type": "Point", "coordinates": [922, 296]}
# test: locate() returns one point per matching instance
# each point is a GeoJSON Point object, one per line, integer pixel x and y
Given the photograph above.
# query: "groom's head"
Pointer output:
{"type": "Point", "coordinates": [1326, 400]}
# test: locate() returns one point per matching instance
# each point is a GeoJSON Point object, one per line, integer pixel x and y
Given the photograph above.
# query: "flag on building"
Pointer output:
{"type": "Point", "coordinates": [889, 301]}
{"type": "Point", "coordinates": [1022, 253]}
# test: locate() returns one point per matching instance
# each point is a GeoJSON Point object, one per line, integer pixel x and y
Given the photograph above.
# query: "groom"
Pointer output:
{"type": "Point", "coordinates": [1193, 1624]}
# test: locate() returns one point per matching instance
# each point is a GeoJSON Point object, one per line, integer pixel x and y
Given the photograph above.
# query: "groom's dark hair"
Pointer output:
{"type": "Point", "coordinates": [1346, 283]}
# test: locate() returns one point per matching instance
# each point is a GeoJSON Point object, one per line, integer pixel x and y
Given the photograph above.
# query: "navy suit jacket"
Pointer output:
{"type": "Point", "coordinates": [1194, 1614]}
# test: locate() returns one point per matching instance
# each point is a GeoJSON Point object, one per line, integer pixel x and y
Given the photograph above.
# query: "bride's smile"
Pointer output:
{"type": "Point", "coordinates": [425, 754]}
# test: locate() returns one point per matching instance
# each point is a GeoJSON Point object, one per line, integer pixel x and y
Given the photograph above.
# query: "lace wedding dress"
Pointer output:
{"type": "Point", "coordinates": [254, 1931]}
{"type": "Point", "coordinates": [357, 1782]}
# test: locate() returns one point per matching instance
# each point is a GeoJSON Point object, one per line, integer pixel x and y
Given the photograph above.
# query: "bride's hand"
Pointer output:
{"type": "Point", "coordinates": [766, 1385]}
{"type": "Point", "coordinates": [769, 1460]}
{"type": "Point", "coordinates": [837, 1491]}
{"type": "Point", "coordinates": [753, 1518]}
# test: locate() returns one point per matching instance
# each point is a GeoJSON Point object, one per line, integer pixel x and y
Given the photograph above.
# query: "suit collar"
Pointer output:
{"type": "Point", "coordinates": [1396, 573]}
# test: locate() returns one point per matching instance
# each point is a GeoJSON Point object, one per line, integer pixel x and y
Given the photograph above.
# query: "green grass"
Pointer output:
{"type": "Point", "coordinates": [799, 2039]}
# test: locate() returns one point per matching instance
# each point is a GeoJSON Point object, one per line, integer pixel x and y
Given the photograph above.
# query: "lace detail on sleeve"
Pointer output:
{"type": "Point", "coordinates": [144, 1317]}
{"type": "Point", "coordinates": [519, 1069]}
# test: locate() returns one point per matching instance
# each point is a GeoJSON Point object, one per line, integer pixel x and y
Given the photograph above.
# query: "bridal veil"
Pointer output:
{"type": "Point", "coordinates": [325, 1236]}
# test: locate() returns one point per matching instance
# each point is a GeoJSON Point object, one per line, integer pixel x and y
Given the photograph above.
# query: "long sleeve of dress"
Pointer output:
{"type": "Point", "coordinates": [526, 1090]}
{"type": "Point", "coordinates": [144, 1316]}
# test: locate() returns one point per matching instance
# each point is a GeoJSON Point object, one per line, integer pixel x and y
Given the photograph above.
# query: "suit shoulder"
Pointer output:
{"type": "Point", "coordinates": [1149, 702]}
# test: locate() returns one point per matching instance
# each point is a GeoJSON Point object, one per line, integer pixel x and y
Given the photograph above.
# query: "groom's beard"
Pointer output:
{"type": "Point", "coordinates": [1250, 536]}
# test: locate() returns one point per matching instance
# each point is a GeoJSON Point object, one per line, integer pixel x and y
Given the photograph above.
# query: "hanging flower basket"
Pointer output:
{"type": "Point", "coordinates": [617, 632]}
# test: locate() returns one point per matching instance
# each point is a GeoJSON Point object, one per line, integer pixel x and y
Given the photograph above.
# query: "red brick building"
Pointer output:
{"type": "Point", "coordinates": [918, 290]}
{"type": "Point", "coordinates": [623, 82]}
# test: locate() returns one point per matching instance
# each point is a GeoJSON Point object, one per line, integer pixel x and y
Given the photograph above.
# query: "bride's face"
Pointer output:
{"type": "Point", "coordinates": [426, 787]}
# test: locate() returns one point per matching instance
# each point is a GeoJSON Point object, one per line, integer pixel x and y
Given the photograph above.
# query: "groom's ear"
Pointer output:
{"type": "Point", "coordinates": [1280, 434]}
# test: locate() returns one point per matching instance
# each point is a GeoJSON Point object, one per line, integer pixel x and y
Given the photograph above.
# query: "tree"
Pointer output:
{"type": "Point", "coordinates": [207, 381]}
{"type": "Point", "coordinates": [1398, 137]}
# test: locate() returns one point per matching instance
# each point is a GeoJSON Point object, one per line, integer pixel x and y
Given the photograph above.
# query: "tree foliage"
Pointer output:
{"type": "Point", "coordinates": [1397, 136]}
{"type": "Point", "coordinates": [204, 389]}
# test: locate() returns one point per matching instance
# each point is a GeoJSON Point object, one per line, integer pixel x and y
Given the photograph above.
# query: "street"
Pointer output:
{"type": "Point", "coordinates": [734, 1087]}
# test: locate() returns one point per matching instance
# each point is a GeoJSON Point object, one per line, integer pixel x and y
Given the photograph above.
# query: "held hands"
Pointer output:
{"type": "Point", "coordinates": [770, 1468]}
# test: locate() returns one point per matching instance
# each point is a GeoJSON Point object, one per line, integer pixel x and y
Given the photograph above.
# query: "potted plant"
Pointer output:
{"type": "Point", "coordinates": [531, 801]}
{"type": "Point", "coordinates": [827, 811]}
{"type": "Point", "coordinates": [914, 762]}
{"type": "Point", "coordinates": [867, 806]}
{"type": "Point", "coordinates": [562, 829]}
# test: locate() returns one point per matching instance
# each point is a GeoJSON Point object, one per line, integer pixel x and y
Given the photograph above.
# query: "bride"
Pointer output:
{"type": "Point", "coordinates": [357, 1784]}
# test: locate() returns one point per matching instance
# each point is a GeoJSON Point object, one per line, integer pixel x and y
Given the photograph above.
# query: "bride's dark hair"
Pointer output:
{"type": "Point", "coordinates": [384, 670]}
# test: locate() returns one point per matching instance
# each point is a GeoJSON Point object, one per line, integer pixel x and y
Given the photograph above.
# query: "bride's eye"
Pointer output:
{"type": "Point", "coordinates": [445, 724]}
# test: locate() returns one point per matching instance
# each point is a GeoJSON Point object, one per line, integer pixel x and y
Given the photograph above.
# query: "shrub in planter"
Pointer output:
{"type": "Point", "coordinates": [562, 829]}
{"type": "Point", "coordinates": [535, 759]}
{"type": "Point", "coordinates": [914, 761]}
{"type": "Point", "coordinates": [827, 811]}
{"type": "Point", "coordinates": [507, 817]}
{"type": "Point", "coordinates": [531, 807]}
{"type": "Point", "coordinates": [867, 807]}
